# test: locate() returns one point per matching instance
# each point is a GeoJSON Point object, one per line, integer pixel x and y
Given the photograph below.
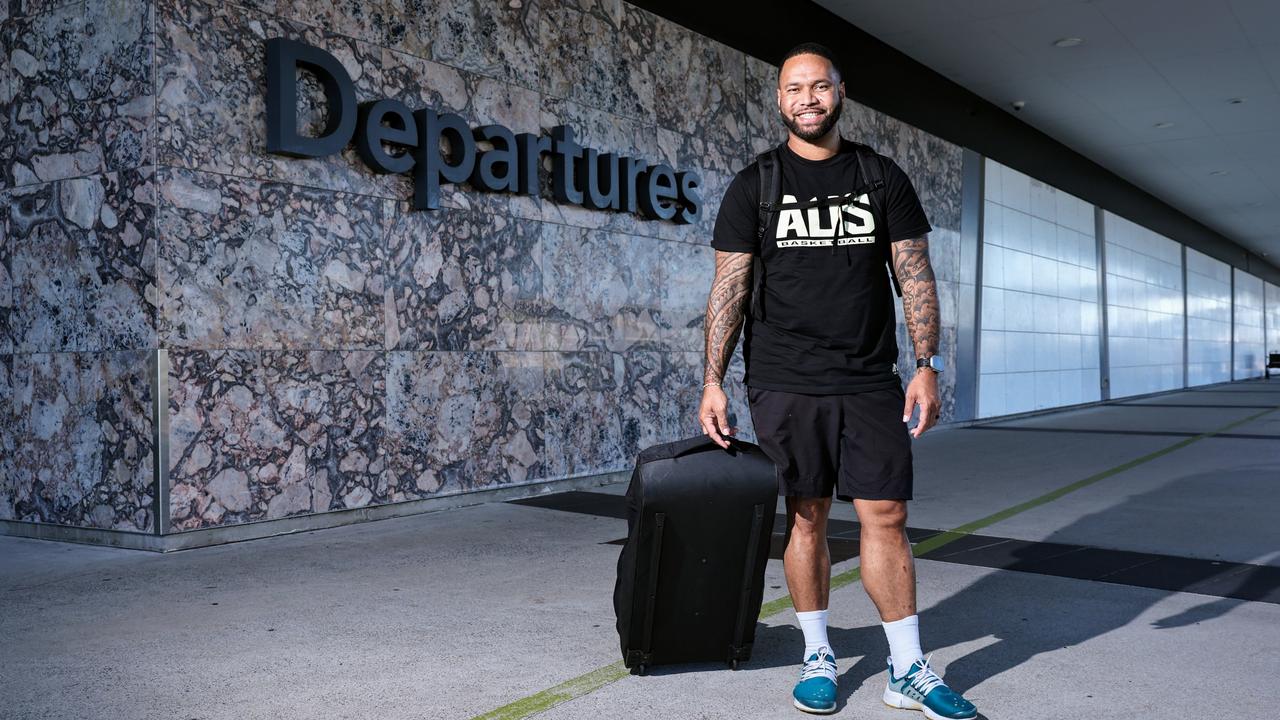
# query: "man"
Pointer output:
{"type": "Point", "coordinates": [825, 395]}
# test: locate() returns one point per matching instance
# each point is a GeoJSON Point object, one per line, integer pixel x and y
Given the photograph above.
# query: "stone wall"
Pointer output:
{"type": "Point", "coordinates": [322, 345]}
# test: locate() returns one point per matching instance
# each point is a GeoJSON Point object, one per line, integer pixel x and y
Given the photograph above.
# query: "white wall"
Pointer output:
{"type": "Point", "coordinates": [1247, 313]}
{"type": "Point", "coordinates": [1208, 319]}
{"type": "Point", "coordinates": [1272, 322]}
{"type": "Point", "coordinates": [1040, 328]}
{"type": "Point", "coordinates": [1144, 308]}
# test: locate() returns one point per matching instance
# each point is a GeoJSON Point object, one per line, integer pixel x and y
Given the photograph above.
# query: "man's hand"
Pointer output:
{"type": "Point", "coordinates": [922, 391]}
{"type": "Point", "coordinates": [713, 415]}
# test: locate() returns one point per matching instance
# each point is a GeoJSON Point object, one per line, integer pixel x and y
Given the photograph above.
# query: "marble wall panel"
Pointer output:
{"type": "Point", "coordinates": [12, 433]}
{"type": "Point", "coordinates": [479, 100]}
{"type": "Point", "coordinates": [602, 408]}
{"type": "Point", "coordinates": [497, 39]}
{"type": "Point", "coordinates": [687, 271]}
{"type": "Point", "coordinates": [682, 396]}
{"type": "Point", "coordinates": [700, 85]}
{"type": "Point", "coordinates": [6, 149]}
{"type": "Point", "coordinates": [461, 421]}
{"type": "Point", "coordinates": [210, 104]}
{"type": "Point", "coordinates": [764, 128]}
{"type": "Point", "coordinates": [6, 278]}
{"type": "Point", "coordinates": [602, 291]}
{"type": "Point", "coordinates": [601, 53]}
{"type": "Point", "coordinates": [259, 435]}
{"type": "Point", "coordinates": [263, 265]}
{"type": "Point", "coordinates": [82, 81]}
{"type": "Point", "coordinates": [82, 263]}
{"type": "Point", "coordinates": [27, 8]}
{"type": "Point", "coordinates": [716, 165]}
{"type": "Point", "coordinates": [463, 280]}
{"type": "Point", "coordinates": [606, 132]}
{"type": "Point", "coordinates": [84, 444]}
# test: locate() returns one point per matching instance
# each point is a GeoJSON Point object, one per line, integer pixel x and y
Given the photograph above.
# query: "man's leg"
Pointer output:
{"type": "Point", "coordinates": [807, 561]}
{"type": "Point", "coordinates": [888, 573]}
{"type": "Point", "coordinates": [888, 569]}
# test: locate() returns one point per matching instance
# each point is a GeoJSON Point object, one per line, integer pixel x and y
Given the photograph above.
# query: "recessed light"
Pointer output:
{"type": "Point", "coordinates": [1068, 42]}
{"type": "Point", "coordinates": [1219, 172]}
{"type": "Point", "coordinates": [1163, 124]}
{"type": "Point", "coordinates": [1236, 101]}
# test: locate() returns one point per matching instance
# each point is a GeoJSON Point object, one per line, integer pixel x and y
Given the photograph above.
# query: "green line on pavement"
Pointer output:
{"type": "Point", "coordinates": [596, 679]}
{"type": "Point", "coordinates": [564, 692]}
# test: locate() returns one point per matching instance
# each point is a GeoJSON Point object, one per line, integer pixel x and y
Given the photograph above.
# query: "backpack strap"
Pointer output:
{"type": "Point", "coordinates": [871, 171]}
{"type": "Point", "coordinates": [770, 168]}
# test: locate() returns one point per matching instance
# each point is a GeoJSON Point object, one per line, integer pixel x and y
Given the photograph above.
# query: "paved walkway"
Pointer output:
{"type": "Point", "coordinates": [1112, 562]}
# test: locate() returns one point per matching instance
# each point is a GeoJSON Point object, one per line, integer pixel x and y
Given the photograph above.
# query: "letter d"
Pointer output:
{"type": "Point", "coordinates": [283, 58]}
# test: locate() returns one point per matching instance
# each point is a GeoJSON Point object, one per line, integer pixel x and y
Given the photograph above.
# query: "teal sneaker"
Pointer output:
{"type": "Point", "coordinates": [921, 689]}
{"type": "Point", "coordinates": [816, 691]}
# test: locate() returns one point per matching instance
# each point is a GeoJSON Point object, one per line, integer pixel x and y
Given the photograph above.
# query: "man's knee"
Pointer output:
{"type": "Point", "coordinates": [808, 516]}
{"type": "Point", "coordinates": [882, 515]}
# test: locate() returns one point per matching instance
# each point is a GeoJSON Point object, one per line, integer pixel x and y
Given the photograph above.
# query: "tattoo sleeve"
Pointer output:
{"type": "Point", "coordinates": [919, 294]}
{"type": "Point", "coordinates": [726, 304]}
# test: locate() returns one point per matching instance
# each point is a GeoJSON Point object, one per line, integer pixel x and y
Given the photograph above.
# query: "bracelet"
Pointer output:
{"type": "Point", "coordinates": [708, 384]}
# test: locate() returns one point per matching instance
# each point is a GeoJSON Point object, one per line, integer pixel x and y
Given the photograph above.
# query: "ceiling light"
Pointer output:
{"type": "Point", "coordinates": [1236, 101]}
{"type": "Point", "coordinates": [1067, 42]}
{"type": "Point", "coordinates": [1218, 172]}
{"type": "Point", "coordinates": [1163, 124]}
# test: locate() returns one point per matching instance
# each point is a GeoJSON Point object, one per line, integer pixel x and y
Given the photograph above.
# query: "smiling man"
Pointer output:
{"type": "Point", "coordinates": [805, 271]}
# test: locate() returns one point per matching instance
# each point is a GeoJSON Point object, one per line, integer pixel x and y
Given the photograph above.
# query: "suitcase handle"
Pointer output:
{"type": "Point", "coordinates": [660, 520]}
{"type": "Point", "coordinates": [748, 572]}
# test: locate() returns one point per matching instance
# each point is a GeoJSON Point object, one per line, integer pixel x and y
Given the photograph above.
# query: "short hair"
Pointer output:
{"type": "Point", "coordinates": [812, 48]}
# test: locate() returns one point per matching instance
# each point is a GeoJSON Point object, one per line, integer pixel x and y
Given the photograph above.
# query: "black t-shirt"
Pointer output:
{"type": "Point", "coordinates": [827, 321]}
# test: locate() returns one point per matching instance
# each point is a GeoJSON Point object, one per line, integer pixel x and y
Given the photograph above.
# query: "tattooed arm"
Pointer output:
{"type": "Point", "coordinates": [920, 306]}
{"type": "Point", "coordinates": [726, 305]}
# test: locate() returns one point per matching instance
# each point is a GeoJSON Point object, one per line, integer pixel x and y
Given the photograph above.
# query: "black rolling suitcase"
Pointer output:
{"type": "Point", "coordinates": [691, 575]}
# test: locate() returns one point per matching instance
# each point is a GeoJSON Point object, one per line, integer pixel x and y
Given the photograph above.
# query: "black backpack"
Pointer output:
{"type": "Point", "coordinates": [770, 203]}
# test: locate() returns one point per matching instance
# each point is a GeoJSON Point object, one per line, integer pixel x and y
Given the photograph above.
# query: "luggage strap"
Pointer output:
{"type": "Point", "coordinates": [646, 641]}
{"type": "Point", "coordinates": [748, 573]}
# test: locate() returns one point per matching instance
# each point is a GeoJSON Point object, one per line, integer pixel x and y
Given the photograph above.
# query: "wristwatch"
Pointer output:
{"type": "Point", "coordinates": [933, 362]}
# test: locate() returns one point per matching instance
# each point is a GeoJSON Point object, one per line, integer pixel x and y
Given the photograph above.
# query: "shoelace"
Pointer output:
{"type": "Point", "coordinates": [925, 678]}
{"type": "Point", "coordinates": [824, 666]}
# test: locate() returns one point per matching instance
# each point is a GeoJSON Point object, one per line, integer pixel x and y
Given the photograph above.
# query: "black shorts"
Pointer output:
{"type": "Point", "coordinates": [855, 444]}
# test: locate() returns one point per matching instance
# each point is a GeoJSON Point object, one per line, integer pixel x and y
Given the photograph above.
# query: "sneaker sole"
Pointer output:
{"type": "Point", "coordinates": [801, 706]}
{"type": "Point", "coordinates": [902, 702]}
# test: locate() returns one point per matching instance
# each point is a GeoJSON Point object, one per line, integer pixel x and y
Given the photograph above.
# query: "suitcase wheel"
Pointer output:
{"type": "Point", "coordinates": [641, 669]}
{"type": "Point", "coordinates": [734, 664]}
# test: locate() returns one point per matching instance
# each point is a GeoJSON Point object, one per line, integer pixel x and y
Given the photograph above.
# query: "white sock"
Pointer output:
{"type": "Point", "coordinates": [904, 643]}
{"type": "Point", "coordinates": [814, 625]}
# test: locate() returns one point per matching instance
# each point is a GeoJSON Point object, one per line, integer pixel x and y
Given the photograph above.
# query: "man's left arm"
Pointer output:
{"type": "Point", "coordinates": [920, 305]}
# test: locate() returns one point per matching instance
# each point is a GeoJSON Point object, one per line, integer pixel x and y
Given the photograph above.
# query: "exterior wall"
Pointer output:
{"type": "Point", "coordinates": [77, 264]}
{"type": "Point", "coordinates": [1144, 309]}
{"type": "Point", "coordinates": [320, 346]}
{"type": "Point", "coordinates": [1272, 321]}
{"type": "Point", "coordinates": [1208, 319]}
{"type": "Point", "coordinates": [1040, 321]}
{"type": "Point", "coordinates": [1249, 359]}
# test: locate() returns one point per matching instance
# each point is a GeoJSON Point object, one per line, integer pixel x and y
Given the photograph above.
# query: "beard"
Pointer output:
{"type": "Point", "coordinates": [828, 121]}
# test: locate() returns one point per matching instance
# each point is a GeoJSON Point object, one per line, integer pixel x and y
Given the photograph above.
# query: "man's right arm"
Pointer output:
{"type": "Point", "coordinates": [726, 308]}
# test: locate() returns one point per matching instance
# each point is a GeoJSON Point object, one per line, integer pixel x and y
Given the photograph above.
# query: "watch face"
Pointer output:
{"type": "Point", "coordinates": [935, 363]}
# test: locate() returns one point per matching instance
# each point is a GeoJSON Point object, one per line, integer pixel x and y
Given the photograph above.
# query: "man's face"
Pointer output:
{"type": "Point", "coordinates": [809, 96]}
